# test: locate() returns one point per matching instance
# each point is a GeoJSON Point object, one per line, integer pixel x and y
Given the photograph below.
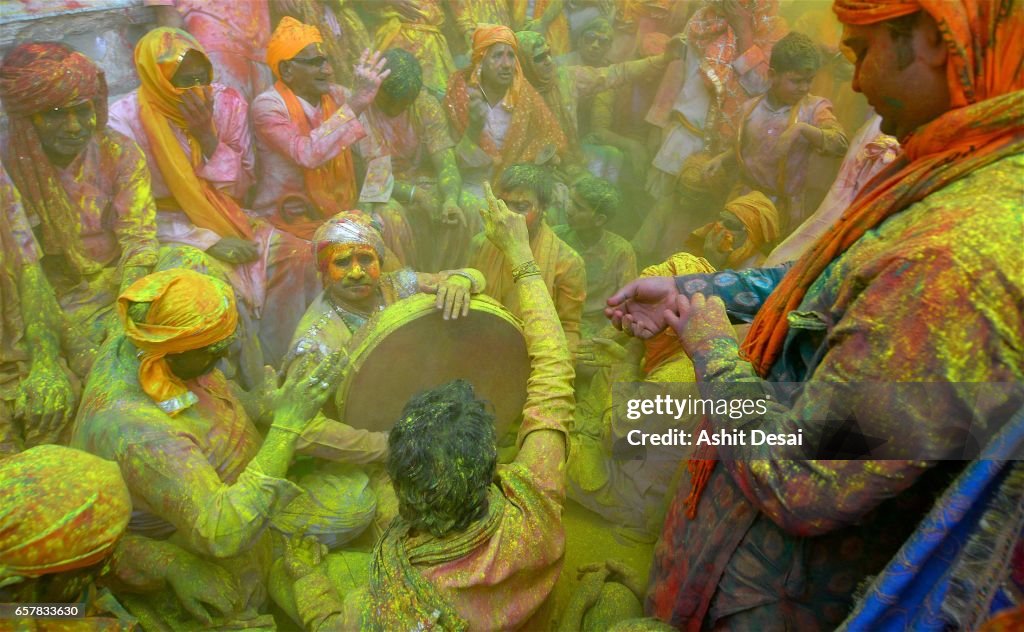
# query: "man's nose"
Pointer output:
{"type": "Point", "coordinates": [71, 122]}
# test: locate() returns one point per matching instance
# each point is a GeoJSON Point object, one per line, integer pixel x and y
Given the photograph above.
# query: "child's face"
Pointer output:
{"type": "Point", "coordinates": [581, 216]}
{"type": "Point", "coordinates": [791, 86]}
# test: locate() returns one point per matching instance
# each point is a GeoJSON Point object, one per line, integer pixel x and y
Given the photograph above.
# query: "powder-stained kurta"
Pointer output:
{"type": "Point", "coordinates": [610, 264]}
{"type": "Point", "coordinates": [920, 298]}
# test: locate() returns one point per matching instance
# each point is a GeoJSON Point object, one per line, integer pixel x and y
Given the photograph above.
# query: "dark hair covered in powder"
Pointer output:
{"type": "Point", "coordinates": [599, 194]}
{"type": "Point", "coordinates": [442, 457]}
{"type": "Point", "coordinates": [795, 52]}
{"type": "Point", "coordinates": [406, 78]}
{"type": "Point", "coordinates": [532, 177]}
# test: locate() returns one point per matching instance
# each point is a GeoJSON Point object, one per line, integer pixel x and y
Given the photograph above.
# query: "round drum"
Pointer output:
{"type": "Point", "coordinates": [409, 347]}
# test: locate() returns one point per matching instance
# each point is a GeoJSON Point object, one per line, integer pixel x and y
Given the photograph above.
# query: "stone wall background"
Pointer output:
{"type": "Point", "coordinates": [105, 30]}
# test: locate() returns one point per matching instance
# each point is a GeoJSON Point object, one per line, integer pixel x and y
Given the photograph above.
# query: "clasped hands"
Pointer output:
{"type": "Point", "coordinates": [647, 306]}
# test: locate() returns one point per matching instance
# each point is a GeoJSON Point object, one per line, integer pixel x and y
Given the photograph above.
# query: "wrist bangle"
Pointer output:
{"type": "Point", "coordinates": [524, 270]}
{"type": "Point", "coordinates": [289, 430]}
{"type": "Point", "coordinates": [464, 275]}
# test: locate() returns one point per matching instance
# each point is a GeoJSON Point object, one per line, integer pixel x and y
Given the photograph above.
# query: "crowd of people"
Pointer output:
{"type": "Point", "coordinates": [659, 192]}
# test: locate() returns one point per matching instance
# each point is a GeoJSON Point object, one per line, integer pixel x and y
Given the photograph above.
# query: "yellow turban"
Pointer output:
{"type": "Point", "coordinates": [187, 311]}
{"type": "Point", "coordinates": [60, 509]}
{"type": "Point", "coordinates": [288, 39]}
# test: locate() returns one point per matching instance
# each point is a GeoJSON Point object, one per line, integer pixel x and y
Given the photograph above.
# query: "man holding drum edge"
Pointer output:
{"type": "Point", "coordinates": [457, 555]}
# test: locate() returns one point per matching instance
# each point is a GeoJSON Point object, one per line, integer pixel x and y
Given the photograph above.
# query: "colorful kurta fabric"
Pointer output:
{"type": "Point", "coordinates": [504, 579]}
{"type": "Point", "coordinates": [469, 13]}
{"type": "Point", "coordinates": [870, 150]}
{"type": "Point", "coordinates": [423, 38]}
{"type": "Point", "coordinates": [610, 264]}
{"type": "Point", "coordinates": [557, 34]}
{"type": "Point", "coordinates": [267, 288]}
{"type": "Point", "coordinates": [563, 270]}
{"type": "Point", "coordinates": [234, 34]}
{"type": "Point", "coordinates": [109, 184]}
{"type": "Point", "coordinates": [285, 153]}
{"type": "Point", "coordinates": [17, 249]}
{"type": "Point", "coordinates": [928, 288]}
{"type": "Point", "coordinates": [779, 170]}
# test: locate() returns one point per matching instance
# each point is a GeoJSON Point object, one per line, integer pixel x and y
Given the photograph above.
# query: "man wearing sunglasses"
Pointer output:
{"type": "Point", "coordinates": [310, 136]}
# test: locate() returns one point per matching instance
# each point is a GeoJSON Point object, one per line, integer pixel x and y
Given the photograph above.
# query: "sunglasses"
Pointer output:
{"type": "Point", "coordinates": [312, 62]}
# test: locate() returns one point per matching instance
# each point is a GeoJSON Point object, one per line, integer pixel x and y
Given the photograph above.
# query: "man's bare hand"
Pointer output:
{"type": "Point", "coordinates": [370, 72]}
{"type": "Point", "coordinates": [47, 401]}
{"type": "Point", "coordinates": [197, 109]}
{"type": "Point", "coordinates": [505, 229]}
{"type": "Point", "coordinates": [307, 388]}
{"type": "Point", "coordinates": [302, 555]}
{"type": "Point", "coordinates": [453, 296]}
{"type": "Point", "coordinates": [698, 320]}
{"type": "Point", "coordinates": [234, 250]}
{"type": "Point", "coordinates": [638, 309]}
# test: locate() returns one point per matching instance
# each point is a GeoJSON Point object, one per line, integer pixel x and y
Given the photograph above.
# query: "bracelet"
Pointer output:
{"type": "Point", "coordinates": [282, 428]}
{"type": "Point", "coordinates": [464, 275]}
{"type": "Point", "coordinates": [524, 270]}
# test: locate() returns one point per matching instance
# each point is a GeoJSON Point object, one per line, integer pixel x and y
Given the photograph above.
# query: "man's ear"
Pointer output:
{"type": "Point", "coordinates": [928, 42]}
{"type": "Point", "coordinates": [284, 68]}
{"type": "Point", "coordinates": [600, 219]}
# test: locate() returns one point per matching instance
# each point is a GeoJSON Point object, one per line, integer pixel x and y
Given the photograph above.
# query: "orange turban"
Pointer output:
{"type": "Point", "coordinates": [288, 40]}
{"type": "Point", "coordinates": [60, 509]}
{"type": "Point", "coordinates": [187, 311]}
{"type": "Point", "coordinates": [985, 40]}
{"type": "Point", "coordinates": [485, 36]}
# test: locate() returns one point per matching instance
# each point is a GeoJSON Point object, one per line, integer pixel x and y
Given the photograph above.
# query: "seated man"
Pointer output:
{"type": "Point", "coordinates": [195, 464]}
{"type": "Point", "coordinates": [411, 125]}
{"type": "Point", "coordinates": [85, 187]}
{"type": "Point", "coordinates": [527, 190]}
{"type": "Point", "coordinates": [744, 234]}
{"type": "Point", "coordinates": [607, 257]}
{"type": "Point", "coordinates": [455, 558]}
{"type": "Point", "coordinates": [196, 139]}
{"type": "Point", "coordinates": [37, 399]}
{"type": "Point", "coordinates": [306, 129]}
{"type": "Point", "coordinates": [497, 117]}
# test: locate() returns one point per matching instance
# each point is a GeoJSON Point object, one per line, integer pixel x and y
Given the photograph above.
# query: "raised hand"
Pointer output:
{"type": "Point", "coordinates": [197, 109]}
{"type": "Point", "coordinates": [370, 72]}
{"type": "Point", "coordinates": [302, 554]}
{"type": "Point", "coordinates": [638, 309]}
{"type": "Point", "coordinates": [452, 214]}
{"type": "Point", "coordinates": [478, 108]}
{"type": "Point", "coordinates": [204, 589]}
{"type": "Point", "coordinates": [505, 229]}
{"type": "Point", "coordinates": [307, 388]}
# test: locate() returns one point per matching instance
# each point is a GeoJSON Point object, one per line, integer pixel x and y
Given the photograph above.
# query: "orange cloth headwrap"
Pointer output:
{"type": "Point", "coordinates": [187, 311]}
{"type": "Point", "coordinates": [288, 39]}
{"type": "Point", "coordinates": [60, 509]}
{"type": "Point", "coordinates": [36, 77]}
{"type": "Point", "coordinates": [331, 187]}
{"type": "Point", "coordinates": [985, 40]}
{"type": "Point", "coordinates": [485, 36]}
{"type": "Point", "coordinates": [157, 57]}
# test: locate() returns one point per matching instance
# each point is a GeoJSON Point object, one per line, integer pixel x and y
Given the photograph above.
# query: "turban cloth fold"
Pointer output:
{"type": "Point", "coordinates": [35, 78]}
{"type": "Point", "coordinates": [187, 311]}
{"type": "Point", "coordinates": [288, 40]}
{"type": "Point", "coordinates": [985, 39]}
{"type": "Point", "coordinates": [60, 509]}
{"type": "Point", "coordinates": [157, 57]}
{"type": "Point", "coordinates": [347, 227]}
{"type": "Point", "coordinates": [484, 37]}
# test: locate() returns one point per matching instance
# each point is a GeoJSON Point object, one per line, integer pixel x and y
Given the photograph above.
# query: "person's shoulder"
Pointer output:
{"type": "Point", "coordinates": [563, 231]}
{"type": "Point", "coordinates": [123, 110]}
{"type": "Point", "coordinates": [616, 242]}
{"type": "Point", "coordinates": [227, 96]}
{"type": "Point", "coordinates": [267, 100]}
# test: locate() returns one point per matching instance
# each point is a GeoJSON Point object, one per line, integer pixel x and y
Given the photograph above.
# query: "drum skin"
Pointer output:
{"type": "Point", "coordinates": [409, 347]}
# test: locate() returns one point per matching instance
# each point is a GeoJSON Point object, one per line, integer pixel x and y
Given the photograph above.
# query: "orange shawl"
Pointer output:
{"type": "Point", "coordinates": [157, 57]}
{"type": "Point", "coordinates": [532, 126]}
{"type": "Point", "coordinates": [985, 42]}
{"type": "Point", "coordinates": [331, 187]}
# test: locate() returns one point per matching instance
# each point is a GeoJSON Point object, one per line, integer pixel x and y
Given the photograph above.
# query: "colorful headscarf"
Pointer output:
{"type": "Point", "coordinates": [985, 39]}
{"type": "Point", "coordinates": [157, 57]}
{"type": "Point", "coordinates": [288, 40]}
{"type": "Point", "coordinates": [709, 33]}
{"type": "Point", "coordinates": [761, 219]}
{"type": "Point", "coordinates": [187, 310]}
{"type": "Point", "coordinates": [331, 187]}
{"type": "Point", "coordinates": [348, 227]}
{"type": "Point", "coordinates": [34, 78]}
{"type": "Point", "coordinates": [60, 509]}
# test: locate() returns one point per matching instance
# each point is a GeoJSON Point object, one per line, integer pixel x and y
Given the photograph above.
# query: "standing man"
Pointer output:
{"type": "Point", "coordinates": [918, 281]}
